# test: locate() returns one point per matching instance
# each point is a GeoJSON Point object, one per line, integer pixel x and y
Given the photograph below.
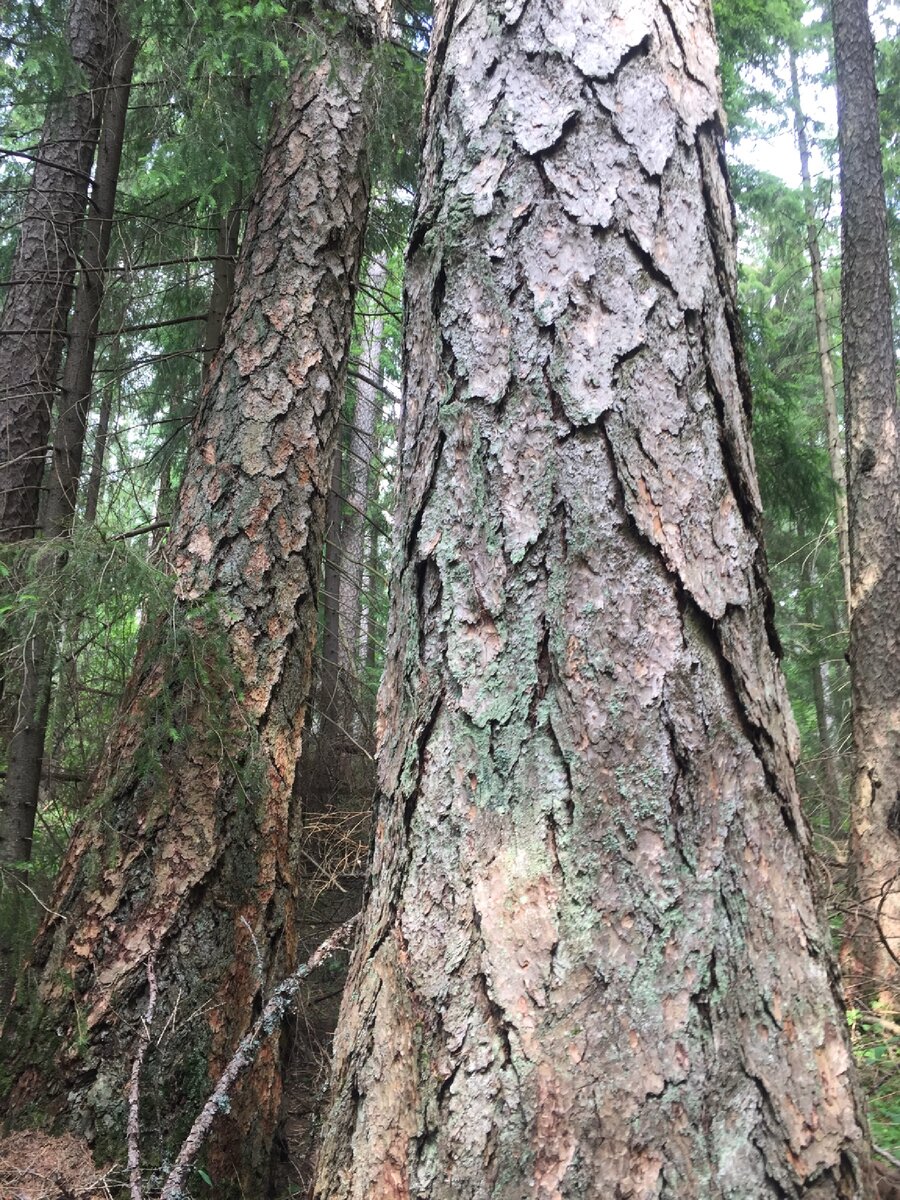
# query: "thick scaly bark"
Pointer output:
{"type": "Point", "coordinates": [873, 476]}
{"type": "Point", "coordinates": [189, 850]}
{"type": "Point", "coordinates": [32, 327]}
{"type": "Point", "coordinates": [590, 963]}
{"type": "Point", "coordinates": [823, 339]}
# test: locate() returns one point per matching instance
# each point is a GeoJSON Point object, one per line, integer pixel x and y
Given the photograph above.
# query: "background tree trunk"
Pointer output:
{"type": "Point", "coordinates": [25, 751]}
{"type": "Point", "coordinates": [228, 240]}
{"type": "Point", "coordinates": [360, 450]}
{"type": "Point", "coordinates": [189, 851]}
{"type": "Point", "coordinates": [823, 340]}
{"type": "Point", "coordinates": [33, 324]}
{"type": "Point", "coordinates": [331, 683]}
{"type": "Point", "coordinates": [590, 963]}
{"type": "Point", "coordinates": [873, 470]}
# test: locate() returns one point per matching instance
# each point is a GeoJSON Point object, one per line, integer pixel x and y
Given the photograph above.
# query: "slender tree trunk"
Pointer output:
{"type": "Point", "coordinates": [330, 677]}
{"type": "Point", "coordinates": [359, 462]}
{"type": "Point", "coordinates": [590, 963]}
{"type": "Point", "coordinates": [372, 632]}
{"type": "Point", "coordinates": [78, 373]}
{"type": "Point", "coordinates": [32, 326]}
{"type": "Point", "coordinates": [823, 339]}
{"type": "Point", "coordinates": [873, 470]}
{"type": "Point", "coordinates": [95, 479]}
{"type": "Point", "coordinates": [821, 690]}
{"type": "Point", "coordinates": [228, 238]}
{"type": "Point", "coordinates": [25, 753]}
{"type": "Point", "coordinates": [188, 853]}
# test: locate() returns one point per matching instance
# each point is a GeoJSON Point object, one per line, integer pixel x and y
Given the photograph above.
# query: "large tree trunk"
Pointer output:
{"type": "Point", "coordinates": [873, 472]}
{"type": "Point", "coordinates": [823, 339]}
{"type": "Point", "coordinates": [189, 854]}
{"type": "Point", "coordinates": [32, 327]}
{"type": "Point", "coordinates": [590, 963]}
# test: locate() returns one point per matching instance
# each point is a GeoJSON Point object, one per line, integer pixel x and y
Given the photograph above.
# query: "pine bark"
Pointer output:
{"type": "Point", "coordinates": [823, 340]}
{"type": "Point", "coordinates": [189, 850]}
{"type": "Point", "coordinates": [873, 472]}
{"type": "Point", "coordinates": [33, 323]}
{"type": "Point", "coordinates": [590, 964]}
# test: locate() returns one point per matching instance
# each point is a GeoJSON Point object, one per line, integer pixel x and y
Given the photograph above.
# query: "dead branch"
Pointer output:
{"type": "Point", "coordinates": [268, 1021]}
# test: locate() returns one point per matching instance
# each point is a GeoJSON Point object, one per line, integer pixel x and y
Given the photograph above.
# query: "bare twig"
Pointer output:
{"type": "Point", "coordinates": [886, 1154]}
{"type": "Point", "coordinates": [265, 1025]}
{"type": "Point", "coordinates": [134, 1088]}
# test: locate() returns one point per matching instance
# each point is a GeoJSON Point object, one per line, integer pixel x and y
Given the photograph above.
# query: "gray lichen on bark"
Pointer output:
{"type": "Point", "coordinates": [590, 963]}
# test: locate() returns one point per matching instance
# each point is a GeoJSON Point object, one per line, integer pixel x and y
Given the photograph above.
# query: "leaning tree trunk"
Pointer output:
{"type": "Point", "coordinates": [590, 963]}
{"type": "Point", "coordinates": [873, 473]}
{"type": "Point", "coordinates": [32, 326]}
{"type": "Point", "coordinates": [188, 855]}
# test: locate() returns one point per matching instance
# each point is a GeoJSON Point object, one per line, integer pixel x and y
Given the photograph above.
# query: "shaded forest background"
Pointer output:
{"type": "Point", "coordinates": [77, 591]}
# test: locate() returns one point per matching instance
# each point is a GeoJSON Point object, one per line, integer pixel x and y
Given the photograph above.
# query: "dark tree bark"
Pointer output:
{"type": "Point", "coordinates": [33, 323]}
{"type": "Point", "coordinates": [873, 472]}
{"type": "Point", "coordinates": [228, 236]}
{"type": "Point", "coordinates": [78, 373]}
{"type": "Point", "coordinates": [25, 751]}
{"type": "Point", "coordinates": [590, 964]}
{"type": "Point", "coordinates": [189, 852]}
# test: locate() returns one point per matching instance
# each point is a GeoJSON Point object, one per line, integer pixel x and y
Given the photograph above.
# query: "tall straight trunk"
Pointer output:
{"type": "Point", "coordinates": [821, 690]}
{"type": "Point", "coordinates": [95, 478]}
{"type": "Point", "coordinates": [590, 963]}
{"type": "Point", "coordinates": [330, 676]}
{"type": "Point", "coordinates": [228, 236]}
{"type": "Point", "coordinates": [189, 853]}
{"type": "Point", "coordinates": [78, 373]}
{"type": "Point", "coordinates": [873, 474]}
{"type": "Point", "coordinates": [25, 751]}
{"type": "Point", "coordinates": [823, 339]}
{"type": "Point", "coordinates": [361, 448]}
{"type": "Point", "coordinates": [33, 323]}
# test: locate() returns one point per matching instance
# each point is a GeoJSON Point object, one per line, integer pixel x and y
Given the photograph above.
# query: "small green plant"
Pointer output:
{"type": "Point", "coordinates": [876, 1043]}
